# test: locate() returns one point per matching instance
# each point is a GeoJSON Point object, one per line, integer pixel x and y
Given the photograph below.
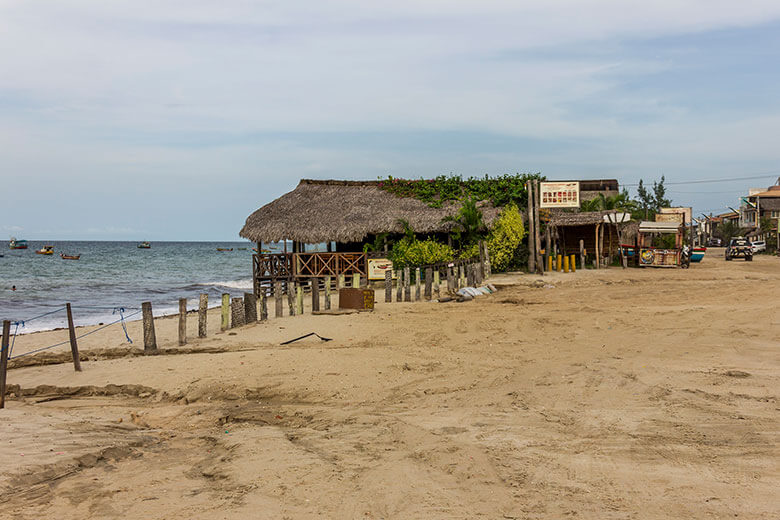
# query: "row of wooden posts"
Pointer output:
{"type": "Point", "coordinates": [240, 311]}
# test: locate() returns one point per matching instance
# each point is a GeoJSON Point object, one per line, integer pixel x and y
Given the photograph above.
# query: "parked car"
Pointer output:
{"type": "Point", "coordinates": [739, 246]}
{"type": "Point", "coordinates": [759, 245]}
{"type": "Point", "coordinates": [715, 242]}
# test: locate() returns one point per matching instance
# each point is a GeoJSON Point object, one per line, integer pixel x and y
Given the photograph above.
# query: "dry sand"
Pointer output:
{"type": "Point", "coordinates": [615, 394]}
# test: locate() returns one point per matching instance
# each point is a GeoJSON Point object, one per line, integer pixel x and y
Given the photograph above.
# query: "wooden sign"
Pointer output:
{"type": "Point", "coordinates": [377, 268]}
{"type": "Point", "coordinates": [559, 194]}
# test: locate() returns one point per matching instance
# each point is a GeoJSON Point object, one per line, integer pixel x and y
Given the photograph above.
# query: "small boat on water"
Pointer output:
{"type": "Point", "coordinates": [45, 250]}
{"type": "Point", "coordinates": [17, 244]}
{"type": "Point", "coordinates": [698, 254]}
{"type": "Point", "coordinates": [69, 257]}
{"type": "Point", "coordinates": [144, 245]}
{"type": "Point", "coordinates": [224, 249]}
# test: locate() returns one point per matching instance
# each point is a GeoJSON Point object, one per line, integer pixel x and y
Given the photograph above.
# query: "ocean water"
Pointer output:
{"type": "Point", "coordinates": [117, 274]}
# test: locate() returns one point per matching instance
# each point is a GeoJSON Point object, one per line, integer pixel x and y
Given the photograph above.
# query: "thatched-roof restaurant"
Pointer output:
{"type": "Point", "coordinates": [599, 231]}
{"type": "Point", "coordinates": [348, 213]}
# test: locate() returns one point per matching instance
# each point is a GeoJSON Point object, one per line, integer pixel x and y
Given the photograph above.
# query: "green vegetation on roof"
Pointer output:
{"type": "Point", "coordinates": [500, 191]}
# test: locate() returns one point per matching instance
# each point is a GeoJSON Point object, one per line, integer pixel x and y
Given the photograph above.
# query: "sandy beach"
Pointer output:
{"type": "Point", "coordinates": [610, 394]}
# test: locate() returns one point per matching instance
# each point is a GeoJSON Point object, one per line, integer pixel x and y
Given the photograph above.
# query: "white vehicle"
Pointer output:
{"type": "Point", "coordinates": [759, 245]}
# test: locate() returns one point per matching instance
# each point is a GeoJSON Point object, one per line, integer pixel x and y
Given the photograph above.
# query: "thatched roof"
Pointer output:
{"type": "Point", "coordinates": [581, 218]}
{"type": "Point", "coordinates": [346, 211]}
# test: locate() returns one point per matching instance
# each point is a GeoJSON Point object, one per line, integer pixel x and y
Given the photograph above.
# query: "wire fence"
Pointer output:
{"type": "Point", "coordinates": [114, 310]}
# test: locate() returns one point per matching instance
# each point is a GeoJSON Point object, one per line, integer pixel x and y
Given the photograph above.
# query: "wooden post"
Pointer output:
{"type": "Point", "coordinates": [291, 297]}
{"type": "Point", "coordinates": [596, 260]}
{"type": "Point", "coordinates": [388, 286]}
{"type": "Point", "coordinates": [399, 294]}
{"type": "Point", "coordinates": [327, 292]}
{"type": "Point", "coordinates": [74, 348]}
{"type": "Point", "coordinates": [356, 280]}
{"type": "Point", "coordinates": [278, 304]}
{"type": "Point", "coordinates": [482, 258]}
{"type": "Point", "coordinates": [315, 294]}
{"type": "Point", "coordinates": [250, 308]}
{"type": "Point", "coordinates": [547, 246]}
{"type": "Point", "coordinates": [299, 297]}
{"type": "Point", "coordinates": [436, 283]}
{"type": "Point", "coordinates": [407, 287]}
{"type": "Point", "coordinates": [4, 359]}
{"type": "Point", "coordinates": [150, 339]}
{"type": "Point", "coordinates": [558, 263]}
{"type": "Point", "coordinates": [566, 264]}
{"type": "Point", "coordinates": [263, 306]}
{"type": "Point", "coordinates": [203, 307]}
{"type": "Point", "coordinates": [182, 321]}
{"type": "Point", "coordinates": [480, 277]}
{"type": "Point", "coordinates": [582, 254]}
{"type": "Point", "coordinates": [223, 326]}
{"type": "Point", "coordinates": [237, 313]}
{"type": "Point", "coordinates": [537, 224]}
{"type": "Point", "coordinates": [417, 284]}
{"type": "Point", "coordinates": [461, 275]}
{"type": "Point", "coordinates": [450, 279]}
{"type": "Point", "coordinates": [529, 188]}
{"type": "Point", "coordinates": [601, 243]}
{"type": "Point", "coordinates": [341, 282]}
{"type": "Point", "coordinates": [488, 266]}
{"type": "Point", "coordinates": [573, 263]}
{"type": "Point", "coordinates": [428, 283]}
{"type": "Point", "coordinates": [470, 281]}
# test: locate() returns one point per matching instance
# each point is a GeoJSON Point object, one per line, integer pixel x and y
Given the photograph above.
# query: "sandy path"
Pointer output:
{"type": "Point", "coordinates": [615, 394]}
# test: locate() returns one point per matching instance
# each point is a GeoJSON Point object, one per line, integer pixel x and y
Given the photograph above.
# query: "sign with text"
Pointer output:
{"type": "Point", "coordinates": [680, 214]}
{"type": "Point", "coordinates": [559, 194]}
{"type": "Point", "coordinates": [377, 268]}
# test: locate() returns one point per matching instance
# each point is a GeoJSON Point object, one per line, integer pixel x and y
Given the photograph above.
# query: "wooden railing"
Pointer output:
{"type": "Point", "coordinates": [317, 265]}
{"type": "Point", "coordinates": [307, 265]}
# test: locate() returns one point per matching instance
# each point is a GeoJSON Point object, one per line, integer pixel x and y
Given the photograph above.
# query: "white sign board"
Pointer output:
{"type": "Point", "coordinates": [559, 194]}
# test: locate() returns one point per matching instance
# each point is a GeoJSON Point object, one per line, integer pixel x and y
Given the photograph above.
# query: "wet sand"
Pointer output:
{"type": "Point", "coordinates": [607, 394]}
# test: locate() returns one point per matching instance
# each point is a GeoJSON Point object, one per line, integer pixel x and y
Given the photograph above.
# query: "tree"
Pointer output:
{"type": "Point", "coordinates": [659, 195]}
{"type": "Point", "coordinates": [645, 199]}
{"type": "Point", "coordinates": [468, 222]}
{"type": "Point", "coordinates": [651, 200]}
{"type": "Point", "coordinates": [621, 201]}
{"type": "Point", "coordinates": [727, 230]}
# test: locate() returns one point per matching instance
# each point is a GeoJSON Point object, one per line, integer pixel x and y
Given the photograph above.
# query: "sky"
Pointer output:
{"type": "Point", "coordinates": [175, 119]}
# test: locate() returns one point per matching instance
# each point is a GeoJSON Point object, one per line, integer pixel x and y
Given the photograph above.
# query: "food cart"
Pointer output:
{"type": "Point", "coordinates": [651, 256]}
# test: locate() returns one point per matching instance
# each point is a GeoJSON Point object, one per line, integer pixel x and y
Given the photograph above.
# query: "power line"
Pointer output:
{"type": "Point", "coordinates": [752, 177]}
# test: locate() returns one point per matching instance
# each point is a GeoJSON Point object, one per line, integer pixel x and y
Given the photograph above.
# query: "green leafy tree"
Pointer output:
{"type": "Point", "coordinates": [659, 195]}
{"type": "Point", "coordinates": [469, 225]}
{"type": "Point", "coordinates": [649, 201]}
{"type": "Point", "coordinates": [727, 230]}
{"type": "Point", "coordinates": [646, 200]}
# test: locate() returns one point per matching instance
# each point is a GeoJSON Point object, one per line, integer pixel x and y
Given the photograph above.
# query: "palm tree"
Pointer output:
{"type": "Point", "coordinates": [468, 222]}
{"type": "Point", "coordinates": [621, 201]}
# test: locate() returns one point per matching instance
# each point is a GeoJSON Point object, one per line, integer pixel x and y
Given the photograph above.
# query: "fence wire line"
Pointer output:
{"type": "Point", "coordinates": [122, 318]}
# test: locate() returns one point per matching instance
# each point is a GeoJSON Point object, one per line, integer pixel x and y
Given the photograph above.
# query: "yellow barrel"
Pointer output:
{"type": "Point", "coordinates": [558, 264]}
{"type": "Point", "coordinates": [573, 263]}
{"type": "Point", "coordinates": [565, 264]}
{"type": "Point", "coordinates": [549, 263]}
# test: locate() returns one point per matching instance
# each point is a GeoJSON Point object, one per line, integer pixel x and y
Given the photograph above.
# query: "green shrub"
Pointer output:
{"type": "Point", "coordinates": [505, 238]}
{"type": "Point", "coordinates": [471, 251]}
{"type": "Point", "coordinates": [412, 253]}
